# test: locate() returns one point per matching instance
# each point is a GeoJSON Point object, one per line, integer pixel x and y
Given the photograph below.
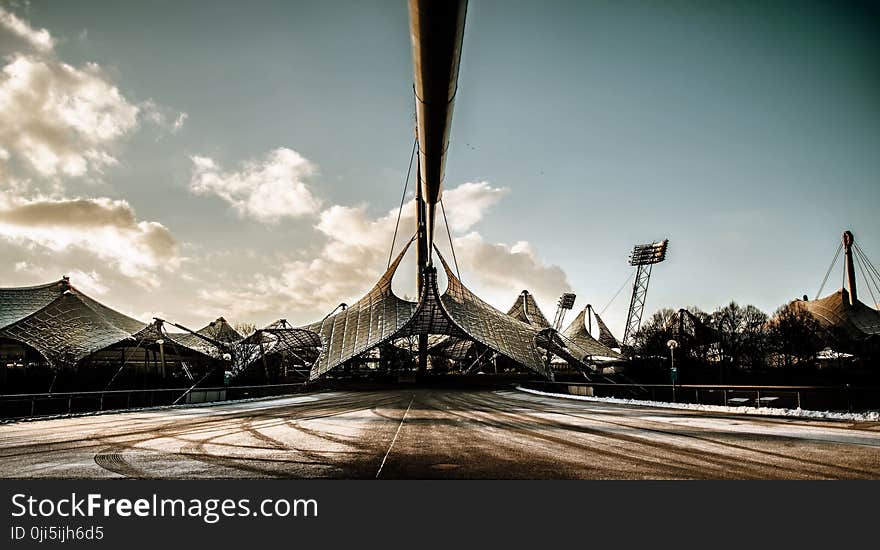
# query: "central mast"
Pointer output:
{"type": "Point", "coordinates": [422, 261]}
{"type": "Point", "coordinates": [436, 30]}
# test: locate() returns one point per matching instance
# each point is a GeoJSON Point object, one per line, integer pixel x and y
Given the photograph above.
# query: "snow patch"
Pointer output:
{"type": "Point", "coordinates": [868, 416]}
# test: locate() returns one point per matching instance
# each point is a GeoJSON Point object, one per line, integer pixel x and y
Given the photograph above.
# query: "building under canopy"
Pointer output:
{"type": "Point", "coordinates": [381, 317]}
{"type": "Point", "coordinates": [214, 339]}
{"type": "Point", "coordinates": [579, 333]}
{"type": "Point", "coordinates": [469, 354]}
{"type": "Point", "coordinates": [56, 328]}
{"type": "Point", "coordinates": [275, 350]}
{"type": "Point", "coordinates": [61, 323]}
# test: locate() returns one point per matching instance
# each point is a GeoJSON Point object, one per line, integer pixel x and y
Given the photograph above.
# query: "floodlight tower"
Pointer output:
{"type": "Point", "coordinates": [643, 257]}
{"type": "Point", "coordinates": [565, 303]}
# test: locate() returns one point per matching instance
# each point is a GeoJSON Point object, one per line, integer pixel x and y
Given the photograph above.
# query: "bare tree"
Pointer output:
{"type": "Point", "coordinates": [651, 338]}
{"type": "Point", "coordinates": [741, 335]}
{"type": "Point", "coordinates": [795, 335]}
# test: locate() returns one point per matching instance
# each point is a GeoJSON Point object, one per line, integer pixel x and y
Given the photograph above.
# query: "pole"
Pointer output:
{"type": "Point", "coordinates": [162, 357]}
{"type": "Point", "coordinates": [422, 254]}
{"type": "Point", "coordinates": [672, 372]}
{"type": "Point", "coordinates": [437, 31]}
{"type": "Point", "coordinates": [848, 241]}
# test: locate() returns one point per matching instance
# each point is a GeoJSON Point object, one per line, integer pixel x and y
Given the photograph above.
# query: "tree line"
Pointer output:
{"type": "Point", "coordinates": [736, 340]}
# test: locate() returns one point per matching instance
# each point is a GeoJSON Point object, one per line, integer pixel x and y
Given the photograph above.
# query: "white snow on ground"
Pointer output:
{"type": "Point", "coordinates": [869, 416]}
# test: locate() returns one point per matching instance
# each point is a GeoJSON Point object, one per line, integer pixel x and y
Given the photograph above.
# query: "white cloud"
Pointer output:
{"type": "Point", "coordinates": [61, 119]}
{"type": "Point", "coordinates": [502, 271]}
{"type": "Point", "coordinates": [178, 122]}
{"type": "Point", "coordinates": [162, 116]}
{"type": "Point", "coordinates": [266, 190]}
{"type": "Point", "coordinates": [355, 253]}
{"type": "Point", "coordinates": [466, 204]}
{"type": "Point", "coordinates": [348, 264]}
{"type": "Point", "coordinates": [91, 283]}
{"type": "Point", "coordinates": [39, 39]}
{"type": "Point", "coordinates": [58, 119]}
{"type": "Point", "coordinates": [105, 228]}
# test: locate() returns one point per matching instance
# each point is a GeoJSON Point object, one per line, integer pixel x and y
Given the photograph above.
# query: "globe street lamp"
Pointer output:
{"type": "Point", "coordinates": [673, 372]}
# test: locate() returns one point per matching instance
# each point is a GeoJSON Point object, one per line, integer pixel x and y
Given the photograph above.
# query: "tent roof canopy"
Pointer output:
{"type": "Point", "coordinates": [18, 303]}
{"type": "Point", "coordinates": [526, 309]}
{"type": "Point", "coordinates": [66, 328]}
{"type": "Point", "coordinates": [65, 325]}
{"type": "Point", "coordinates": [577, 333]}
{"type": "Point", "coordinates": [834, 311]}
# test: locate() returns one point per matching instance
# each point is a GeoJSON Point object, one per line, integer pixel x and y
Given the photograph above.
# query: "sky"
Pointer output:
{"type": "Point", "coordinates": [194, 159]}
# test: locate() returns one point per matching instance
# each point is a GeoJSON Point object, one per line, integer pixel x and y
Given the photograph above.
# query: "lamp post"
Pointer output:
{"type": "Point", "coordinates": [673, 372]}
{"type": "Point", "coordinates": [161, 343]}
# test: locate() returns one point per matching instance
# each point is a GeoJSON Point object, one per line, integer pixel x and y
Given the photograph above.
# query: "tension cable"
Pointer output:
{"type": "Point", "coordinates": [402, 200]}
{"type": "Point", "coordinates": [449, 235]}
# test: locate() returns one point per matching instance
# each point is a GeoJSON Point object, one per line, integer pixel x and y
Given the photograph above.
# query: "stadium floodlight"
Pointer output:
{"type": "Point", "coordinates": [566, 301]}
{"type": "Point", "coordinates": [647, 254]}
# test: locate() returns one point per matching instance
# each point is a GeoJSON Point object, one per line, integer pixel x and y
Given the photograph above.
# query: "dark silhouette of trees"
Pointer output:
{"type": "Point", "coordinates": [742, 341]}
{"type": "Point", "coordinates": [795, 336]}
{"type": "Point", "coordinates": [734, 341]}
{"type": "Point", "coordinates": [651, 338]}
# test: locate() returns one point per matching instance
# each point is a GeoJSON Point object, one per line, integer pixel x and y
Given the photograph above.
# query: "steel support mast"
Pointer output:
{"type": "Point", "coordinates": [436, 31]}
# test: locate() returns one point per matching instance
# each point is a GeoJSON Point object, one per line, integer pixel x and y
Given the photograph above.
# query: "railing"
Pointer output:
{"type": "Point", "coordinates": [830, 398]}
{"type": "Point", "coordinates": [24, 405]}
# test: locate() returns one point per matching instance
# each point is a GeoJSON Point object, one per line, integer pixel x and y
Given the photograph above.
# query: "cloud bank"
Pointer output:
{"type": "Point", "coordinates": [60, 121]}
{"type": "Point", "coordinates": [355, 252]}
{"type": "Point", "coordinates": [102, 227]}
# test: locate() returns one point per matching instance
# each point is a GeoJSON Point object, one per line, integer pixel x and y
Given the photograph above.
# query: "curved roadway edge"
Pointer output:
{"type": "Point", "coordinates": [870, 416]}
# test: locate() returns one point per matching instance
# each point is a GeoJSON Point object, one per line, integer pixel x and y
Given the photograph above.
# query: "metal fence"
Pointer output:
{"type": "Point", "coordinates": [825, 398]}
{"type": "Point", "coordinates": [23, 405]}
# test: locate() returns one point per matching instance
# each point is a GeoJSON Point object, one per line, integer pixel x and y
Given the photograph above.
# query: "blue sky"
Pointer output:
{"type": "Point", "coordinates": [747, 133]}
